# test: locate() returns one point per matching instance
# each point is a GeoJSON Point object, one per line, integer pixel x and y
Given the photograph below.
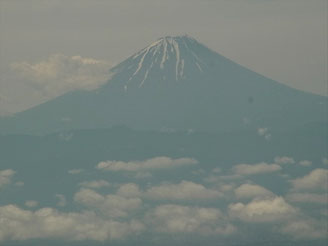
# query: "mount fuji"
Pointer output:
{"type": "Point", "coordinates": [176, 83]}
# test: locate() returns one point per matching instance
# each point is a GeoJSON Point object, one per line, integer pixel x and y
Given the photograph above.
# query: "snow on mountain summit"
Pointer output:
{"type": "Point", "coordinates": [169, 58]}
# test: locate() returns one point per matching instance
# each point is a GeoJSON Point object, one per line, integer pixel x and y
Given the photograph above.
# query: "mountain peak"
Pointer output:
{"type": "Point", "coordinates": [171, 58]}
{"type": "Point", "coordinates": [176, 83]}
{"type": "Point", "coordinates": [176, 38]}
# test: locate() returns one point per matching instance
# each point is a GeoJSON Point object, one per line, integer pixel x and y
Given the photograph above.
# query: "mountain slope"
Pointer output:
{"type": "Point", "coordinates": [176, 83]}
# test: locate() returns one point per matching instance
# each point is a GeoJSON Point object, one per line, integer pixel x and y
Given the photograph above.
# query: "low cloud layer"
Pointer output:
{"type": "Point", "coordinates": [172, 218]}
{"type": "Point", "coordinates": [122, 210]}
{"type": "Point", "coordinates": [111, 205]}
{"type": "Point", "coordinates": [94, 184]}
{"type": "Point", "coordinates": [260, 168]}
{"type": "Point", "coordinates": [262, 210]}
{"type": "Point", "coordinates": [308, 198]}
{"type": "Point", "coordinates": [154, 163]}
{"type": "Point", "coordinates": [20, 224]}
{"type": "Point", "coordinates": [183, 191]}
{"type": "Point", "coordinates": [305, 228]}
{"type": "Point", "coordinates": [251, 191]}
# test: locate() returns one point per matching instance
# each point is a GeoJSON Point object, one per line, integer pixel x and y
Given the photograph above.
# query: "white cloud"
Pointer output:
{"type": "Point", "coordinates": [129, 190]}
{"type": "Point", "coordinates": [174, 219]}
{"type": "Point", "coordinates": [109, 205]}
{"type": "Point", "coordinates": [5, 177]}
{"type": "Point", "coordinates": [260, 168]}
{"type": "Point", "coordinates": [306, 229]}
{"type": "Point", "coordinates": [60, 74]}
{"type": "Point", "coordinates": [262, 210]}
{"type": "Point", "coordinates": [305, 163]}
{"type": "Point", "coordinates": [284, 160]}
{"type": "Point", "coordinates": [183, 191]}
{"type": "Point", "coordinates": [94, 184]}
{"type": "Point", "coordinates": [264, 132]}
{"type": "Point", "coordinates": [316, 179]}
{"type": "Point", "coordinates": [61, 200]}
{"type": "Point", "coordinates": [154, 163]}
{"type": "Point", "coordinates": [19, 224]}
{"type": "Point", "coordinates": [307, 198]}
{"type": "Point", "coordinates": [31, 203]}
{"type": "Point", "coordinates": [252, 191]}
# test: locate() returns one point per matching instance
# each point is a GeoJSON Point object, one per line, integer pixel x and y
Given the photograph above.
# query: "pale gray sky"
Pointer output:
{"type": "Point", "coordinates": [283, 39]}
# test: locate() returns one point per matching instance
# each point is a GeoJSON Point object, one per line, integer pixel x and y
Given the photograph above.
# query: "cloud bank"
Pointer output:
{"type": "Point", "coordinates": [260, 168]}
{"type": "Point", "coordinates": [154, 163]}
{"type": "Point", "coordinates": [262, 210]}
{"type": "Point", "coordinates": [251, 191]}
{"type": "Point", "coordinates": [185, 190]}
{"type": "Point", "coordinates": [60, 73]}
{"type": "Point", "coordinates": [172, 218]}
{"type": "Point", "coordinates": [20, 224]}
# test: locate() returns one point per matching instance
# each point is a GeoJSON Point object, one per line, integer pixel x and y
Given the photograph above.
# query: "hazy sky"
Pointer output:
{"type": "Point", "coordinates": [283, 39]}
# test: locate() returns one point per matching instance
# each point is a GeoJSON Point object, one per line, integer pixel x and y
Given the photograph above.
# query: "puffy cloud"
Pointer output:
{"type": "Point", "coordinates": [5, 177]}
{"type": "Point", "coordinates": [183, 191]}
{"type": "Point", "coordinates": [19, 224]}
{"type": "Point", "coordinates": [154, 163]}
{"type": "Point", "coordinates": [171, 218]}
{"type": "Point", "coordinates": [284, 160]}
{"type": "Point", "coordinates": [262, 210]}
{"type": "Point", "coordinates": [129, 190]}
{"type": "Point", "coordinates": [307, 198]}
{"type": "Point", "coordinates": [305, 163]}
{"type": "Point", "coordinates": [61, 200]}
{"type": "Point", "coordinates": [264, 132]}
{"type": "Point", "coordinates": [306, 229]}
{"type": "Point", "coordinates": [109, 205]}
{"type": "Point", "coordinates": [60, 74]}
{"type": "Point", "coordinates": [31, 203]}
{"type": "Point", "coordinates": [95, 184]}
{"type": "Point", "coordinates": [316, 179]}
{"type": "Point", "coordinates": [247, 169]}
{"type": "Point", "coordinates": [252, 191]}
